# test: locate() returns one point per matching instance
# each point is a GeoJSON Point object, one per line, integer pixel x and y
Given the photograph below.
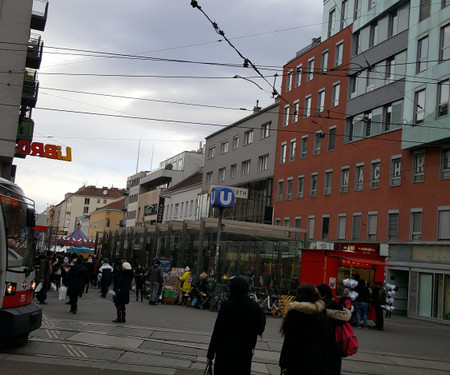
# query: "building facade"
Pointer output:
{"type": "Point", "coordinates": [109, 217]}
{"type": "Point", "coordinates": [20, 59]}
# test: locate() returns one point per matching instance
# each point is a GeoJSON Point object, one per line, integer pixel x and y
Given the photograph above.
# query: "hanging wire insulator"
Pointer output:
{"type": "Point", "coordinates": [194, 4]}
{"type": "Point", "coordinates": [246, 62]}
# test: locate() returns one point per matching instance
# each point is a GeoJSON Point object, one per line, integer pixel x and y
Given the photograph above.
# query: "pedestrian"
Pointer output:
{"type": "Point", "coordinates": [378, 301]}
{"type": "Point", "coordinates": [140, 274]}
{"type": "Point", "coordinates": [106, 272]}
{"type": "Point", "coordinates": [156, 280]}
{"type": "Point", "coordinates": [239, 322]}
{"type": "Point", "coordinates": [122, 296]}
{"type": "Point", "coordinates": [117, 268]}
{"type": "Point", "coordinates": [306, 334]}
{"type": "Point", "coordinates": [337, 316]}
{"type": "Point", "coordinates": [77, 277]}
{"type": "Point", "coordinates": [90, 268]}
{"type": "Point", "coordinates": [184, 285]}
{"type": "Point", "coordinates": [44, 276]}
{"type": "Point", "coordinates": [361, 302]}
{"type": "Point", "coordinates": [94, 281]}
{"type": "Point", "coordinates": [345, 300]}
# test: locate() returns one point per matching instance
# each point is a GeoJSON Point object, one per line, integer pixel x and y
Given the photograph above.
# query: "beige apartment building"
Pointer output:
{"type": "Point", "coordinates": [109, 217]}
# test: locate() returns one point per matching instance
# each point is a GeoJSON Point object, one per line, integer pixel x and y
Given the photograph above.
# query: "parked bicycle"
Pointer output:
{"type": "Point", "coordinates": [270, 304]}
{"type": "Point", "coordinates": [217, 300]}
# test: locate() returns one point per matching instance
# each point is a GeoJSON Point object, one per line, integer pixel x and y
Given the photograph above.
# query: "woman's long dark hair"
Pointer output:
{"type": "Point", "coordinates": [325, 292]}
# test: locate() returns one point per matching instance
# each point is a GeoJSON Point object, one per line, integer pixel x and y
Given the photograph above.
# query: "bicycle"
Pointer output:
{"type": "Point", "coordinates": [270, 307]}
{"type": "Point", "coordinates": [219, 298]}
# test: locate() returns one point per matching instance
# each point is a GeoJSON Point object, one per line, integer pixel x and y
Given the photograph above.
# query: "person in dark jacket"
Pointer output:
{"type": "Point", "coordinates": [77, 277]}
{"type": "Point", "coordinates": [378, 300]}
{"type": "Point", "coordinates": [43, 276]}
{"type": "Point", "coordinates": [239, 322]}
{"type": "Point", "coordinates": [361, 302]}
{"type": "Point", "coordinates": [156, 280]}
{"type": "Point", "coordinates": [337, 316]}
{"type": "Point", "coordinates": [106, 272]}
{"type": "Point", "coordinates": [122, 296]}
{"type": "Point", "coordinates": [306, 334]}
{"type": "Point", "coordinates": [140, 274]}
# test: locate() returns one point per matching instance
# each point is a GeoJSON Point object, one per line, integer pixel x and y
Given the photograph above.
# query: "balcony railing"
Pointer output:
{"type": "Point", "coordinates": [39, 14]}
{"type": "Point", "coordinates": [30, 88]}
{"type": "Point", "coordinates": [34, 51]}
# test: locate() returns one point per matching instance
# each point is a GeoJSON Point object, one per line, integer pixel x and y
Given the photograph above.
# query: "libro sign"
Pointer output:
{"type": "Point", "coordinates": [44, 151]}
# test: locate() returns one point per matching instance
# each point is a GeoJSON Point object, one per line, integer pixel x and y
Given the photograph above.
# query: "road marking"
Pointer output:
{"type": "Point", "coordinates": [74, 351]}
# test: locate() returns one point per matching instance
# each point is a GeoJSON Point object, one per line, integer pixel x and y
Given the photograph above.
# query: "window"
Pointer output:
{"type": "Point", "coordinates": [289, 189]}
{"type": "Point", "coordinates": [298, 76]}
{"type": "Point", "coordinates": [419, 167]}
{"type": "Point", "coordinates": [211, 152]}
{"type": "Point", "coordinates": [222, 174]}
{"type": "Point", "coordinates": [235, 142]}
{"type": "Point", "coordinates": [424, 10]}
{"type": "Point", "coordinates": [422, 54]}
{"type": "Point", "coordinates": [331, 22]}
{"type": "Point", "coordinates": [321, 102]}
{"type": "Point", "coordinates": [289, 81]}
{"type": "Point", "coordinates": [332, 139]}
{"type": "Point", "coordinates": [108, 222]}
{"type": "Point", "coordinates": [277, 221]}
{"type": "Point", "coordinates": [328, 182]}
{"type": "Point", "coordinates": [444, 50]}
{"type": "Point", "coordinates": [356, 226]}
{"type": "Point", "coordinates": [248, 137]}
{"type": "Point", "coordinates": [317, 142]}
{"type": "Point", "coordinates": [307, 107]}
{"type": "Point", "coordinates": [233, 169]}
{"type": "Point", "coordinates": [342, 219]}
{"type": "Point", "coordinates": [357, 12]}
{"type": "Point", "coordinates": [304, 147]}
{"type": "Point", "coordinates": [444, 223]}
{"type": "Point", "coordinates": [300, 186]}
{"type": "Point", "coordinates": [339, 54]}
{"type": "Point", "coordinates": [372, 4]}
{"type": "Point", "coordinates": [443, 95]}
{"type": "Point", "coordinates": [419, 106]}
{"type": "Point", "coordinates": [352, 86]}
{"type": "Point", "coordinates": [389, 70]}
{"type": "Point", "coordinates": [98, 200]}
{"type": "Point", "coordinates": [85, 210]}
{"type": "Point", "coordinates": [286, 116]}
{"type": "Point", "coordinates": [396, 170]}
{"type": "Point", "coordinates": [311, 223]}
{"type": "Point", "coordinates": [87, 200]}
{"type": "Point", "coordinates": [245, 167]}
{"type": "Point", "coordinates": [313, 189]}
{"type": "Point", "coordinates": [286, 221]}
{"type": "Point", "coordinates": [373, 36]}
{"type": "Point", "coordinates": [280, 190]}
{"type": "Point", "coordinates": [292, 150]}
{"type": "Point", "coordinates": [324, 62]}
{"type": "Point", "coordinates": [224, 147]}
{"type": "Point", "coordinates": [310, 72]}
{"type": "Point", "coordinates": [209, 177]}
{"type": "Point", "coordinates": [343, 22]}
{"type": "Point", "coordinates": [345, 178]}
{"type": "Point", "coordinates": [355, 43]}
{"type": "Point", "coordinates": [325, 227]}
{"type": "Point", "coordinates": [372, 226]}
{"type": "Point", "coordinates": [295, 111]}
{"type": "Point", "coordinates": [263, 162]}
{"type": "Point", "coordinates": [375, 175]}
{"type": "Point", "coordinates": [371, 77]}
{"type": "Point", "coordinates": [297, 224]}
{"type": "Point", "coordinates": [393, 217]}
{"type": "Point", "coordinates": [393, 24]}
{"type": "Point", "coordinates": [265, 130]}
{"type": "Point", "coordinates": [283, 153]}
{"type": "Point", "coordinates": [335, 94]}
{"type": "Point", "coordinates": [416, 224]}
{"type": "Point", "coordinates": [445, 3]}
{"type": "Point", "coordinates": [445, 164]}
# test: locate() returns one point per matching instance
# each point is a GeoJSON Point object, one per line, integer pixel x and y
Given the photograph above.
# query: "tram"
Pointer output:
{"type": "Point", "coordinates": [18, 314]}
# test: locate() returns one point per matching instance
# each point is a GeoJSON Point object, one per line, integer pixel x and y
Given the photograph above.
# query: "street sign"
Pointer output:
{"type": "Point", "coordinates": [221, 197]}
{"type": "Point", "coordinates": [241, 193]}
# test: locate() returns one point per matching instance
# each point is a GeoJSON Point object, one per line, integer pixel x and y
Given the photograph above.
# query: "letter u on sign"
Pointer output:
{"type": "Point", "coordinates": [221, 197]}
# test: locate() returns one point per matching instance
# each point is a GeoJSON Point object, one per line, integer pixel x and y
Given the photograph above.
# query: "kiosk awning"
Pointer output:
{"type": "Point", "coordinates": [361, 262]}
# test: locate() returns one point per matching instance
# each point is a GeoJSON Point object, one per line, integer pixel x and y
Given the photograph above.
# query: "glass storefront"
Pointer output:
{"type": "Point", "coordinates": [434, 296]}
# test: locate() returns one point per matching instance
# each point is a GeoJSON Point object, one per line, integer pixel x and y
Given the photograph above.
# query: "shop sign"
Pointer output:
{"type": "Point", "coordinates": [238, 192]}
{"type": "Point", "coordinates": [352, 263]}
{"type": "Point", "coordinates": [360, 248]}
{"type": "Point", "coordinates": [25, 147]}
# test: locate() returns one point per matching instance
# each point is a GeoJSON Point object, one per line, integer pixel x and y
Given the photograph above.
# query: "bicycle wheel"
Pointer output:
{"type": "Point", "coordinates": [276, 312]}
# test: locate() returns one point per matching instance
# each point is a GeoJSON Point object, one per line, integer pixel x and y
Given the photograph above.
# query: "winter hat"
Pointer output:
{"type": "Point", "coordinates": [126, 266]}
{"type": "Point", "coordinates": [346, 292]}
{"type": "Point", "coordinates": [187, 269]}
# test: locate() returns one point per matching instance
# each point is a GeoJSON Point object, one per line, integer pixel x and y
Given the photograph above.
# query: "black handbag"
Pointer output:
{"type": "Point", "coordinates": [209, 368]}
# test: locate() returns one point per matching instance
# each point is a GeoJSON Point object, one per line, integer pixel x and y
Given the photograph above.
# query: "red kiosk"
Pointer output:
{"type": "Point", "coordinates": [344, 261]}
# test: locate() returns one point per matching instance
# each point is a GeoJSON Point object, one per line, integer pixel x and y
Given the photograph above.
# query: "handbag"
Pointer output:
{"type": "Point", "coordinates": [62, 292]}
{"type": "Point", "coordinates": [209, 369]}
{"type": "Point", "coordinates": [39, 287]}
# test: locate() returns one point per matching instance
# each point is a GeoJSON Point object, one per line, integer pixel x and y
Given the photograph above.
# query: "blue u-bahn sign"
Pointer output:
{"type": "Point", "coordinates": [221, 197]}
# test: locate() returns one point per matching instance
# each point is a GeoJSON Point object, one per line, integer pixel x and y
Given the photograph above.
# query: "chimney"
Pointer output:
{"type": "Point", "coordinates": [256, 108]}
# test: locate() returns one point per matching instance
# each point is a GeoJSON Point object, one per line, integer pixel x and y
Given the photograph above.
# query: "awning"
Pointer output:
{"type": "Point", "coordinates": [361, 262]}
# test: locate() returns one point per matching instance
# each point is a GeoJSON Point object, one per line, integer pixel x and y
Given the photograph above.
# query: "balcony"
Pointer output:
{"type": "Point", "coordinates": [34, 51]}
{"type": "Point", "coordinates": [39, 14]}
{"type": "Point", "coordinates": [25, 129]}
{"type": "Point", "coordinates": [30, 88]}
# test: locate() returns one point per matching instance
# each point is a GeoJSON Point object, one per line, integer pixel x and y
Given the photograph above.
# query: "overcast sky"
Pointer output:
{"type": "Point", "coordinates": [109, 79]}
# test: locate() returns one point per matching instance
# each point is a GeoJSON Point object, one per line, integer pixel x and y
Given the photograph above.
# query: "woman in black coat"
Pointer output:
{"type": "Point", "coordinates": [77, 277]}
{"type": "Point", "coordinates": [337, 316]}
{"type": "Point", "coordinates": [239, 322]}
{"type": "Point", "coordinates": [306, 334]}
{"type": "Point", "coordinates": [122, 288]}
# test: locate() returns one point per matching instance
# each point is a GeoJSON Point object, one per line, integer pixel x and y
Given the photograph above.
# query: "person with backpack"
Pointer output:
{"type": "Point", "coordinates": [337, 316]}
{"type": "Point", "coordinates": [239, 321]}
{"type": "Point", "coordinates": [306, 334]}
